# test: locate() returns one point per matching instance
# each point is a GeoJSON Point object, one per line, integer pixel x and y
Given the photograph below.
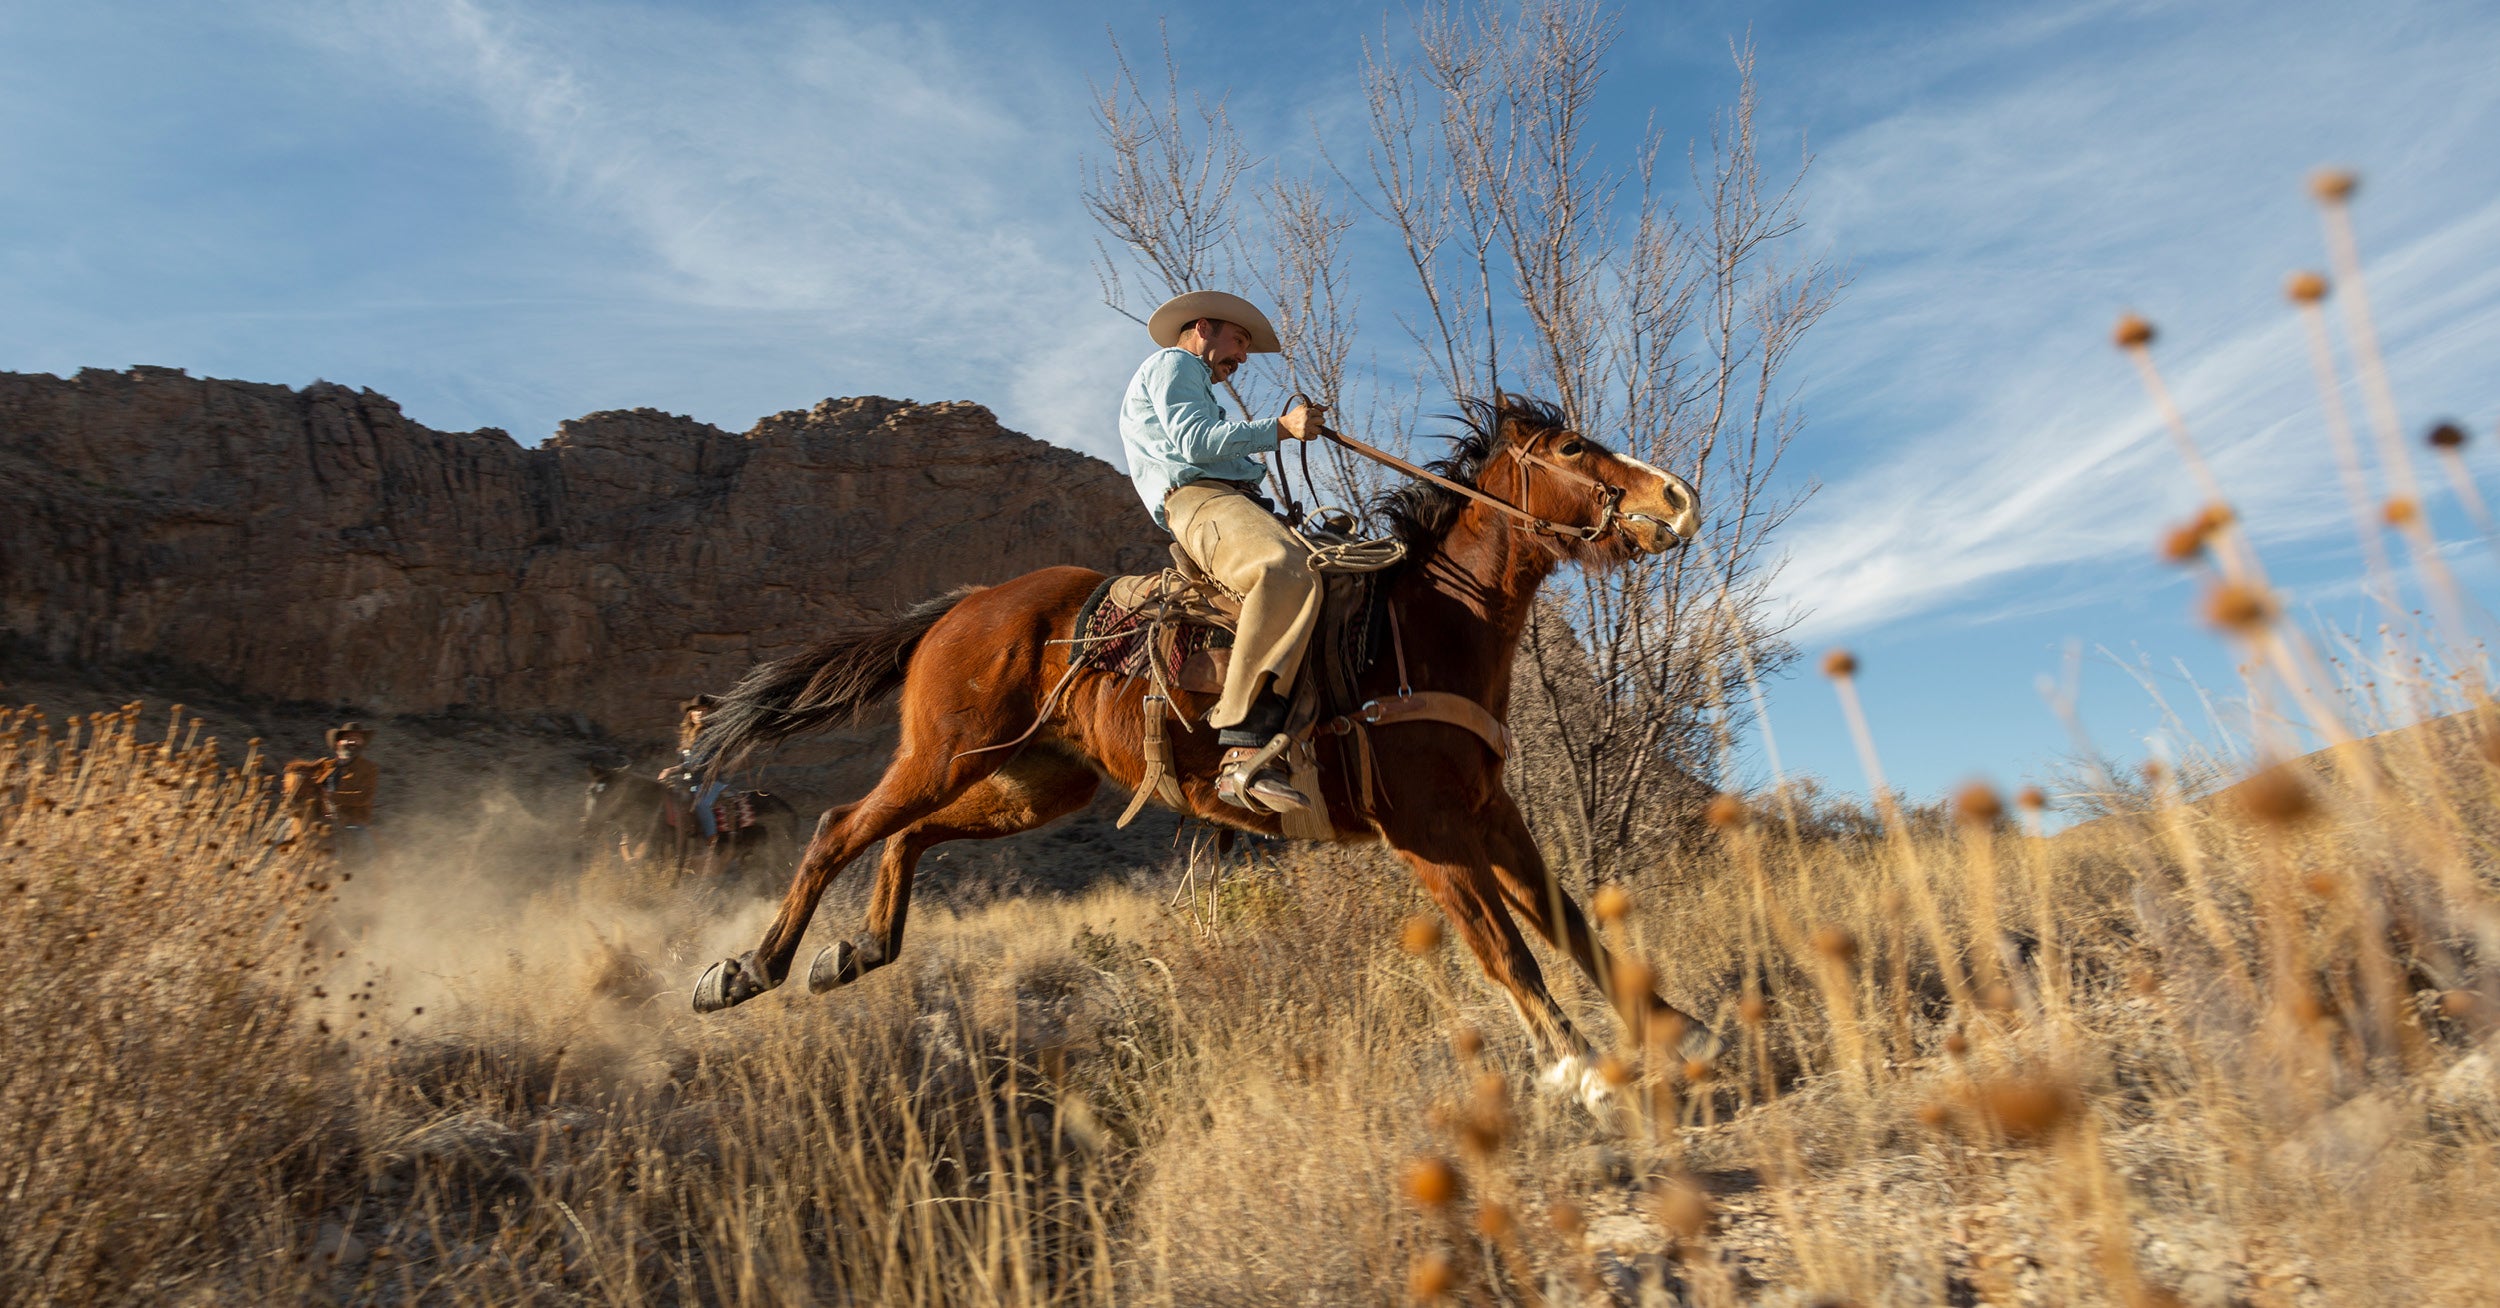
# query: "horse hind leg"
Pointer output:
{"type": "Point", "coordinates": [909, 792]}
{"type": "Point", "coordinates": [1035, 789]}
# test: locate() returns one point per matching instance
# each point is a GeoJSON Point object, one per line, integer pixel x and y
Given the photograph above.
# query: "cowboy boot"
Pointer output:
{"type": "Point", "coordinates": [1245, 782]}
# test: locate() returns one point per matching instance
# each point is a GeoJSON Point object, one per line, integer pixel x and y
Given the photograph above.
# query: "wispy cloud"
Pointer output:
{"type": "Point", "coordinates": [870, 184]}
{"type": "Point", "coordinates": [2002, 217]}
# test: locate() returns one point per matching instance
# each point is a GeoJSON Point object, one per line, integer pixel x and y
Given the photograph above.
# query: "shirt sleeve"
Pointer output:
{"type": "Point", "coordinates": [1176, 385]}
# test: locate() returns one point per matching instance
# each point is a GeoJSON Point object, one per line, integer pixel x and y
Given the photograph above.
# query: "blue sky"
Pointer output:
{"type": "Point", "coordinates": [508, 214]}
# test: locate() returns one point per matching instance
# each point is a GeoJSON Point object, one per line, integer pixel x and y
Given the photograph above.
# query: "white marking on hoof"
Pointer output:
{"type": "Point", "coordinates": [1575, 1075]}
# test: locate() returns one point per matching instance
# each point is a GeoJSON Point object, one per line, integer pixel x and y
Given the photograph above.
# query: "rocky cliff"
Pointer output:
{"type": "Point", "coordinates": [318, 545]}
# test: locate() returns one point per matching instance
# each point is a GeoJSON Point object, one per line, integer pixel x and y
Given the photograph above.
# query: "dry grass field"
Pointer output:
{"type": "Point", "coordinates": [2231, 1041]}
{"type": "Point", "coordinates": [2224, 1051]}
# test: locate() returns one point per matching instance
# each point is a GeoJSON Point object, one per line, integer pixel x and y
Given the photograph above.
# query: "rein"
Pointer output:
{"type": "Point", "coordinates": [1608, 517]}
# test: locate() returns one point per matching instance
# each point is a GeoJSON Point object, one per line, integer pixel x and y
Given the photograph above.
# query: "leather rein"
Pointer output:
{"type": "Point", "coordinates": [1609, 517]}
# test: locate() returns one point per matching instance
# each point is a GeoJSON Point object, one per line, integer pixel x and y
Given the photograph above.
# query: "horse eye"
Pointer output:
{"type": "Point", "coordinates": [1570, 449]}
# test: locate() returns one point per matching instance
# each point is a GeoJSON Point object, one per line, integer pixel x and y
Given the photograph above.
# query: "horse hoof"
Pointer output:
{"type": "Point", "coordinates": [834, 966]}
{"type": "Point", "coordinates": [726, 984]}
{"type": "Point", "coordinates": [1700, 1045]}
{"type": "Point", "coordinates": [1577, 1078]}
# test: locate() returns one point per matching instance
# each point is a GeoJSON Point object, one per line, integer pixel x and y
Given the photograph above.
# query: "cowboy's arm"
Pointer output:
{"type": "Point", "coordinates": [1176, 385]}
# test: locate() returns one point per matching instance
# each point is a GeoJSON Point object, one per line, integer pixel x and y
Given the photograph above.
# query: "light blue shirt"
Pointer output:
{"type": "Point", "coordinates": [1176, 433]}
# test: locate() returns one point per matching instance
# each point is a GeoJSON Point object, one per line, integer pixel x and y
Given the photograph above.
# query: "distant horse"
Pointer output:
{"type": "Point", "coordinates": [302, 800]}
{"type": "Point", "coordinates": [639, 817]}
{"type": "Point", "coordinates": [977, 668]}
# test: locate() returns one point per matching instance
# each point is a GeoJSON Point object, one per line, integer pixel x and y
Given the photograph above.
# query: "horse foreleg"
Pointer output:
{"type": "Point", "coordinates": [1529, 886]}
{"type": "Point", "coordinates": [1036, 789]}
{"type": "Point", "coordinates": [1454, 868]}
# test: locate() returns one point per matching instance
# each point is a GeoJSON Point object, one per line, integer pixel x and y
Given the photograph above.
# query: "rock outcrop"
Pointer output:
{"type": "Point", "coordinates": [318, 545]}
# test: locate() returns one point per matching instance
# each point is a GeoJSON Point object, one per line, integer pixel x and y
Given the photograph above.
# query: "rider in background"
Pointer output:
{"type": "Point", "coordinates": [686, 774]}
{"type": "Point", "coordinates": [348, 782]}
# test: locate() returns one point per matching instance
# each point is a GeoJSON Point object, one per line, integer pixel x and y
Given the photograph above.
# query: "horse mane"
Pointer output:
{"type": "Point", "coordinates": [1421, 513]}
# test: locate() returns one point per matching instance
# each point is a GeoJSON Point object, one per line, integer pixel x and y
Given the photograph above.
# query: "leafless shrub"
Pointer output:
{"type": "Point", "coordinates": [1535, 264]}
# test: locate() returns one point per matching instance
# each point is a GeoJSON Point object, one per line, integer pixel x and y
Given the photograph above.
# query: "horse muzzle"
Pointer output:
{"type": "Point", "coordinates": [1670, 521]}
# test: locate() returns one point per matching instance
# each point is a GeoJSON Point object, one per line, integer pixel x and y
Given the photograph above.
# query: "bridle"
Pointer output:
{"type": "Point", "coordinates": [1610, 496]}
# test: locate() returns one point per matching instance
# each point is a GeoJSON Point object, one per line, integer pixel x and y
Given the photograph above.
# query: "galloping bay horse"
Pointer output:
{"type": "Point", "coordinates": [977, 667]}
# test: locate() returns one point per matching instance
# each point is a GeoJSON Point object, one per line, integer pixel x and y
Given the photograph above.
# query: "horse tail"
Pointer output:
{"type": "Point", "coordinates": [830, 683]}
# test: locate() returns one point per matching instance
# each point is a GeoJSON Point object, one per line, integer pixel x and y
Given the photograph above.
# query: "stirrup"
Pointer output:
{"type": "Point", "coordinates": [1249, 778]}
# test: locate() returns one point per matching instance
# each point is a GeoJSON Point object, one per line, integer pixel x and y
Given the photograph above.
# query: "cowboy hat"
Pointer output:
{"type": "Point", "coordinates": [1189, 306]}
{"type": "Point", "coordinates": [356, 729]}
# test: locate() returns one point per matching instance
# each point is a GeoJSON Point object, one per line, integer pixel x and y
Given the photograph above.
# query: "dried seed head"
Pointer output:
{"type": "Point", "coordinates": [1664, 1028]}
{"type": "Point", "coordinates": [2032, 799]}
{"type": "Point", "coordinates": [1469, 1042]}
{"type": "Point", "coordinates": [1840, 663]}
{"type": "Point", "coordinates": [1430, 1279]}
{"type": "Point", "coordinates": [2182, 544]}
{"type": "Point", "coordinates": [2333, 185]}
{"type": "Point", "coordinates": [2446, 436]}
{"type": "Point", "coordinates": [1611, 904]}
{"type": "Point", "coordinates": [1431, 1182]}
{"type": "Point", "coordinates": [1634, 977]}
{"type": "Point", "coordinates": [2402, 511]}
{"type": "Point", "coordinates": [1727, 813]}
{"type": "Point", "coordinates": [2239, 608]}
{"type": "Point", "coordinates": [2147, 982]}
{"type": "Point", "coordinates": [1698, 1070]}
{"type": "Point", "coordinates": [1751, 1010]}
{"type": "Point", "coordinates": [2028, 1109]}
{"type": "Point", "coordinates": [2305, 287]}
{"type": "Point", "coordinates": [1997, 999]}
{"type": "Point", "coordinates": [1682, 1209]}
{"type": "Point", "coordinates": [1615, 1072]}
{"type": "Point", "coordinates": [1934, 1115]}
{"type": "Point", "coordinates": [2214, 517]}
{"type": "Point", "coordinates": [1421, 935]}
{"type": "Point", "coordinates": [2489, 746]}
{"type": "Point", "coordinates": [2276, 797]}
{"type": "Point", "coordinates": [2306, 1009]}
{"type": "Point", "coordinates": [1977, 805]}
{"type": "Point", "coordinates": [1494, 1221]}
{"type": "Point", "coordinates": [2462, 1004]}
{"type": "Point", "coordinates": [2321, 884]}
{"type": "Point", "coordinates": [2132, 332]}
{"type": "Point", "coordinates": [1957, 1044]}
{"type": "Point", "coordinates": [1836, 944]}
{"type": "Point", "coordinates": [2154, 770]}
{"type": "Point", "coordinates": [1564, 1216]}
{"type": "Point", "coordinates": [1481, 1134]}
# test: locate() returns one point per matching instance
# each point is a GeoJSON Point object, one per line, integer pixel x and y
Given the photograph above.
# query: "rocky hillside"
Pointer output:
{"type": "Point", "coordinates": [318, 545]}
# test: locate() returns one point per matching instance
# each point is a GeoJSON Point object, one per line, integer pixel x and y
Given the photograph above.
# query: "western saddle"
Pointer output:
{"type": "Point", "coordinates": [1175, 628]}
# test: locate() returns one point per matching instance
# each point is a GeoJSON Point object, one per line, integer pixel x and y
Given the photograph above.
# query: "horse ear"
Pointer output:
{"type": "Point", "coordinates": [1507, 408]}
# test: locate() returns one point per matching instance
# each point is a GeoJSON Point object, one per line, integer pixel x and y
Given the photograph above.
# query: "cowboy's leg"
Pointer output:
{"type": "Point", "coordinates": [704, 797]}
{"type": "Point", "coordinates": [1256, 556]}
